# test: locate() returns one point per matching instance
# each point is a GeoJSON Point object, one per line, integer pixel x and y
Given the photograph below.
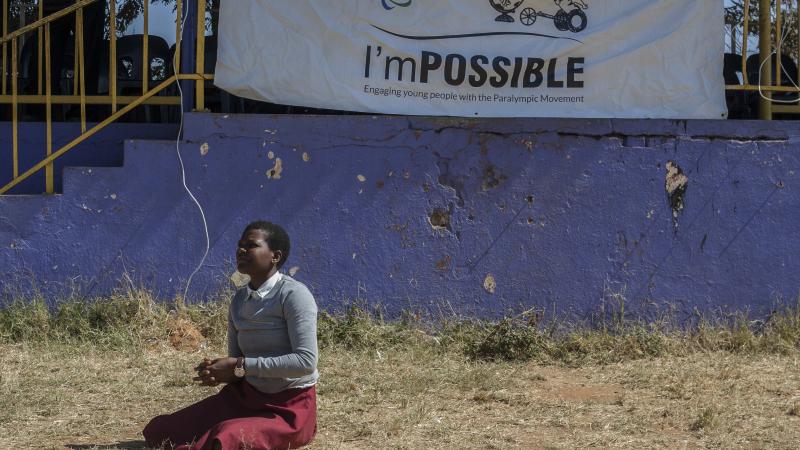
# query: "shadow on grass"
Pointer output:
{"type": "Point", "coordinates": [122, 445]}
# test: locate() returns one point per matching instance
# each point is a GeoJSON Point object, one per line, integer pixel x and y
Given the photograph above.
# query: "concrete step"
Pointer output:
{"type": "Point", "coordinates": [104, 149]}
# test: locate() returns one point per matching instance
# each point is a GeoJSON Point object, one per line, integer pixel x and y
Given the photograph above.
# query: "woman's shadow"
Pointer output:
{"type": "Point", "coordinates": [122, 445]}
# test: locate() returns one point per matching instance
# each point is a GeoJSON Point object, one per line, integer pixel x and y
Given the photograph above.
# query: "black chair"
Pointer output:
{"type": "Point", "coordinates": [789, 77]}
{"type": "Point", "coordinates": [789, 74]}
{"type": "Point", "coordinates": [62, 82]}
{"type": "Point", "coordinates": [737, 101]}
{"type": "Point", "coordinates": [129, 69]}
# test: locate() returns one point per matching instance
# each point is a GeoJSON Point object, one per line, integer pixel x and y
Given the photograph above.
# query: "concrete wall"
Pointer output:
{"type": "Point", "coordinates": [474, 217]}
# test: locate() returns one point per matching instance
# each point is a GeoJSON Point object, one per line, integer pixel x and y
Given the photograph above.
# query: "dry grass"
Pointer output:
{"type": "Point", "coordinates": [395, 386]}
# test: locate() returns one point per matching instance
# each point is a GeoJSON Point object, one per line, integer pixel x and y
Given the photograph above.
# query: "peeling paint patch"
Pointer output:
{"type": "Point", "coordinates": [527, 143]}
{"type": "Point", "coordinates": [676, 183]}
{"type": "Point", "coordinates": [491, 178]}
{"type": "Point", "coordinates": [448, 180]}
{"type": "Point", "coordinates": [361, 178]}
{"type": "Point", "coordinates": [444, 263]}
{"type": "Point", "coordinates": [482, 143]}
{"type": "Point", "coordinates": [275, 172]}
{"type": "Point", "coordinates": [306, 157]}
{"type": "Point", "coordinates": [439, 219]}
{"type": "Point", "coordinates": [489, 283]}
{"type": "Point", "coordinates": [204, 149]}
{"type": "Point", "coordinates": [293, 270]}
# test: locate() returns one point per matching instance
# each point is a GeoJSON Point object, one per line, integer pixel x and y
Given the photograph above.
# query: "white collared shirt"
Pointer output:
{"type": "Point", "coordinates": [265, 288]}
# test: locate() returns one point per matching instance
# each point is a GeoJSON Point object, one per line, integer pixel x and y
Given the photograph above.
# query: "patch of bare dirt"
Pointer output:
{"type": "Point", "coordinates": [184, 336]}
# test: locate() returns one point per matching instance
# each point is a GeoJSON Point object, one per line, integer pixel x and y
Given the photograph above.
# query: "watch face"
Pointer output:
{"type": "Point", "coordinates": [238, 371]}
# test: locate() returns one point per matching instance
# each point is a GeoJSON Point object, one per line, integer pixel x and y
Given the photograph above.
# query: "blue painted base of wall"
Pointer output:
{"type": "Point", "coordinates": [472, 217]}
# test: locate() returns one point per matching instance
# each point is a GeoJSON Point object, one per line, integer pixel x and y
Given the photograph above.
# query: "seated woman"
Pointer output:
{"type": "Point", "coordinates": [269, 401]}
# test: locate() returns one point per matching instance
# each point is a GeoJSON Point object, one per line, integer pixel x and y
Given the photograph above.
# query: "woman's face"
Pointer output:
{"type": "Point", "coordinates": [253, 255]}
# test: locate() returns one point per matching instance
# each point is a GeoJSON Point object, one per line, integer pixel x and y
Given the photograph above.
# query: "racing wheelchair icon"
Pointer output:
{"type": "Point", "coordinates": [573, 20]}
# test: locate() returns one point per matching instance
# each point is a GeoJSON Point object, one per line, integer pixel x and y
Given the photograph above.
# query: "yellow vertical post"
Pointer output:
{"type": "Point", "coordinates": [176, 60]}
{"type": "Point", "coordinates": [5, 32]}
{"type": "Point", "coordinates": [145, 48]}
{"type": "Point", "coordinates": [112, 58]}
{"type": "Point", "coordinates": [48, 169]}
{"type": "Point", "coordinates": [39, 45]}
{"type": "Point", "coordinates": [82, 73]}
{"type": "Point", "coordinates": [14, 118]}
{"type": "Point", "coordinates": [765, 50]}
{"type": "Point", "coordinates": [201, 53]}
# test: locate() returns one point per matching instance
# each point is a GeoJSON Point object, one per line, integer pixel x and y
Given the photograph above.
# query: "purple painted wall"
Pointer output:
{"type": "Point", "coordinates": [476, 217]}
{"type": "Point", "coordinates": [103, 149]}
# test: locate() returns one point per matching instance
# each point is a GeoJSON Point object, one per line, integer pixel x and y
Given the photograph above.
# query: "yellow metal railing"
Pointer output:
{"type": "Point", "coordinates": [770, 78]}
{"type": "Point", "coordinates": [41, 27]}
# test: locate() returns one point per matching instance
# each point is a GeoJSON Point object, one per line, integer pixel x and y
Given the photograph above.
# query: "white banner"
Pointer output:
{"type": "Point", "coordinates": [494, 58]}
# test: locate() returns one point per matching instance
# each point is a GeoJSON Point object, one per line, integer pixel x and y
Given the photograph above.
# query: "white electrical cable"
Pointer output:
{"type": "Point", "coordinates": [784, 34]}
{"type": "Point", "coordinates": [180, 159]}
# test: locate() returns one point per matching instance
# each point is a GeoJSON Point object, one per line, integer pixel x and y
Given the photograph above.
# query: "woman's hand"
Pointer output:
{"type": "Point", "coordinates": [213, 372]}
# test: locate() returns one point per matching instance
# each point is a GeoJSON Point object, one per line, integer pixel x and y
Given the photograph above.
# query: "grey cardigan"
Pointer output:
{"type": "Point", "coordinates": [277, 336]}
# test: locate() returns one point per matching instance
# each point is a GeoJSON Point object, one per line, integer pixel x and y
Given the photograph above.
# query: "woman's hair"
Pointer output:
{"type": "Point", "coordinates": [276, 237]}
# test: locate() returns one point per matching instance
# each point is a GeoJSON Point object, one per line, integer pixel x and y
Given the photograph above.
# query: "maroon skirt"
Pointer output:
{"type": "Point", "coordinates": [239, 416]}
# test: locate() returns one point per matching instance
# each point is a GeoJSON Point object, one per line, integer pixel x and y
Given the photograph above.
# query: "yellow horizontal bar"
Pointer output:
{"type": "Point", "coordinates": [90, 132]}
{"type": "Point", "coordinates": [790, 109]}
{"type": "Point", "coordinates": [52, 17]}
{"type": "Point", "coordinates": [738, 87]}
{"type": "Point", "coordinates": [195, 76]}
{"type": "Point", "coordinates": [105, 99]}
{"type": "Point", "coordinates": [90, 100]}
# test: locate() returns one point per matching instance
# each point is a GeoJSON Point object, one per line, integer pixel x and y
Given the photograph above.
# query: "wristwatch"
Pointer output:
{"type": "Point", "coordinates": [239, 371]}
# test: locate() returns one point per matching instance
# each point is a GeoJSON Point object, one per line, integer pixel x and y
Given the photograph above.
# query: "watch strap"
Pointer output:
{"type": "Point", "coordinates": [239, 371]}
